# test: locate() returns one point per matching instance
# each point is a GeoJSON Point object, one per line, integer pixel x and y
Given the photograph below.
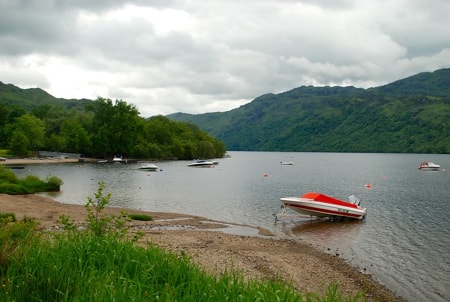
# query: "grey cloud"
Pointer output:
{"type": "Point", "coordinates": [222, 53]}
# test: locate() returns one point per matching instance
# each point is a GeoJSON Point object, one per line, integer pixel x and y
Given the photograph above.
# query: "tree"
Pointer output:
{"type": "Point", "coordinates": [32, 128]}
{"type": "Point", "coordinates": [116, 127]}
{"type": "Point", "coordinates": [76, 139]}
{"type": "Point", "coordinates": [19, 144]}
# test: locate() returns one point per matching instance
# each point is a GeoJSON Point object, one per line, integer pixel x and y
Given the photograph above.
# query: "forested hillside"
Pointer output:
{"type": "Point", "coordinates": [410, 115]}
{"type": "Point", "coordinates": [32, 120]}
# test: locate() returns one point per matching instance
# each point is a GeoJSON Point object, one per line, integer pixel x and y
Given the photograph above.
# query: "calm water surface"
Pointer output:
{"type": "Point", "coordinates": [404, 241]}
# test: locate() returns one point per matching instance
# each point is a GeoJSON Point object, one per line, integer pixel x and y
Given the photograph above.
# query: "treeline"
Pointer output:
{"type": "Point", "coordinates": [101, 129]}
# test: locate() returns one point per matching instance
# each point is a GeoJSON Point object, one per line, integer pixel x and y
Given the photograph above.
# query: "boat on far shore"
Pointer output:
{"type": "Point", "coordinates": [117, 159]}
{"type": "Point", "coordinates": [429, 166]}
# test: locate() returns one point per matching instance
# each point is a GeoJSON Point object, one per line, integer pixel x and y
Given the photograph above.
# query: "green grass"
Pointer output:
{"type": "Point", "coordinates": [78, 266]}
{"type": "Point", "coordinates": [11, 184]}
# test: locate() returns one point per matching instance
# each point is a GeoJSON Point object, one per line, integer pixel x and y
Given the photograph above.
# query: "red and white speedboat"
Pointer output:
{"type": "Point", "coordinates": [321, 205]}
{"type": "Point", "coordinates": [429, 166]}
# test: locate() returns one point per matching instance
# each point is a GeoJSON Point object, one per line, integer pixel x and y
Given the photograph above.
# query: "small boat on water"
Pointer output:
{"type": "Point", "coordinates": [149, 167]}
{"type": "Point", "coordinates": [429, 166]}
{"type": "Point", "coordinates": [203, 164]}
{"type": "Point", "coordinates": [286, 163]}
{"type": "Point", "coordinates": [117, 159]}
{"type": "Point", "coordinates": [321, 205]}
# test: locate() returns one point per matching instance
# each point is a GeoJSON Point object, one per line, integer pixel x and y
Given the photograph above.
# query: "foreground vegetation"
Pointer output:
{"type": "Point", "coordinates": [11, 184]}
{"type": "Point", "coordinates": [104, 263]}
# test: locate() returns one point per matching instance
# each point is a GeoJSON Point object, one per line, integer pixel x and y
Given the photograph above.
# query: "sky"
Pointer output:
{"type": "Point", "coordinates": [198, 56]}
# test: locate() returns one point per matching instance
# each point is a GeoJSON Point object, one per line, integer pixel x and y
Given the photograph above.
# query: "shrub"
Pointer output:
{"type": "Point", "coordinates": [6, 175]}
{"type": "Point", "coordinates": [14, 189]}
{"type": "Point", "coordinates": [10, 184]}
{"type": "Point", "coordinates": [140, 217]}
{"type": "Point", "coordinates": [99, 223]}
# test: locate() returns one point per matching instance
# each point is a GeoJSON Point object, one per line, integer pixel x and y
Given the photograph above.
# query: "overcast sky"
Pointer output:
{"type": "Point", "coordinates": [197, 56]}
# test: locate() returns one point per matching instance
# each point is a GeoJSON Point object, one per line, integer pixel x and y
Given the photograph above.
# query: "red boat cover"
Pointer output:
{"type": "Point", "coordinates": [324, 198]}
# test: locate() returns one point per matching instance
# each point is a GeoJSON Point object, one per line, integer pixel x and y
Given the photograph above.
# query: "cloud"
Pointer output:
{"type": "Point", "coordinates": [203, 56]}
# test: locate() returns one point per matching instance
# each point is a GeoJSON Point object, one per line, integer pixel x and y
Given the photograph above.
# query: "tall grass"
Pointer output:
{"type": "Point", "coordinates": [79, 266]}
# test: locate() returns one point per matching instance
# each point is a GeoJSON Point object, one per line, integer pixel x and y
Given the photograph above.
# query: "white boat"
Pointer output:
{"type": "Point", "coordinates": [149, 167]}
{"type": "Point", "coordinates": [203, 163]}
{"type": "Point", "coordinates": [321, 205]}
{"type": "Point", "coordinates": [117, 159]}
{"type": "Point", "coordinates": [429, 166]}
{"type": "Point", "coordinates": [286, 163]}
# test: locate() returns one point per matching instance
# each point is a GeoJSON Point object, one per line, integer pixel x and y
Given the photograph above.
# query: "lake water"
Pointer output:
{"type": "Point", "coordinates": [404, 241]}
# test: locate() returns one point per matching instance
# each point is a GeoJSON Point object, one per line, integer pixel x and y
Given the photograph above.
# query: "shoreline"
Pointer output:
{"type": "Point", "coordinates": [33, 160]}
{"type": "Point", "coordinates": [212, 248]}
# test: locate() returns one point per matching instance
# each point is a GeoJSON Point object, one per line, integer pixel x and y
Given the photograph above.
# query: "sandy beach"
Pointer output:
{"type": "Point", "coordinates": [293, 261]}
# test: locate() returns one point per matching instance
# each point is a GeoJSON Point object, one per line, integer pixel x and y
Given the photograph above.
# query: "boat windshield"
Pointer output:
{"type": "Point", "coordinates": [353, 199]}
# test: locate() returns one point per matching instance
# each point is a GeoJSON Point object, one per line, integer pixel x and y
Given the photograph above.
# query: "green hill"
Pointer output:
{"type": "Point", "coordinates": [32, 98]}
{"type": "Point", "coordinates": [411, 115]}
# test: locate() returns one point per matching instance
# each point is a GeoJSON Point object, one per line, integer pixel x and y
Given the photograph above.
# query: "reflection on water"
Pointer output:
{"type": "Point", "coordinates": [403, 241]}
{"type": "Point", "coordinates": [325, 230]}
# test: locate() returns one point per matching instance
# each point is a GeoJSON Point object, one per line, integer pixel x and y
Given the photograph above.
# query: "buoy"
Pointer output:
{"type": "Point", "coordinates": [368, 185]}
{"type": "Point", "coordinates": [265, 174]}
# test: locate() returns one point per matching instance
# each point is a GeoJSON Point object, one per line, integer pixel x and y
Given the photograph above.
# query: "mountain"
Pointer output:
{"type": "Point", "coordinates": [411, 115]}
{"type": "Point", "coordinates": [32, 98]}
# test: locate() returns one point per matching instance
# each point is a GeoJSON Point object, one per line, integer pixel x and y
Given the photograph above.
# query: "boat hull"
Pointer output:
{"type": "Point", "coordinates": [148, 169]}
{"type": "Point", "coordinates": [320, 208]}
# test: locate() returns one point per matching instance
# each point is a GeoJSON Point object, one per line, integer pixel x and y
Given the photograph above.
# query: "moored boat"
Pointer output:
{"type": "Point", "coordinates": [286, 163]}
{"type": "Point", "coordinates": [429, 166]}
{"type": "Point", "coordinates": [117, 159]}
{"type": "Point", "coordinates": [203, 164]}
{"type": "Point", "coordinates": [321, 205]}
{"type": "Point", "coordinates": [149, 167]}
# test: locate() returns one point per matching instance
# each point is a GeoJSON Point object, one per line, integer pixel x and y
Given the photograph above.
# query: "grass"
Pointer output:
{"type": "Point", "coordinates": [79, 266]}
{"type": "Point", "coordinates": [102, 263]}
{"type": "Point", "coordinates": [11, 184]}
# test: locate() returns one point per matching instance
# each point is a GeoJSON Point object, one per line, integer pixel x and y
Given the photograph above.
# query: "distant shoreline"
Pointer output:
{"type": "Point", "coordinates": [30, 160]}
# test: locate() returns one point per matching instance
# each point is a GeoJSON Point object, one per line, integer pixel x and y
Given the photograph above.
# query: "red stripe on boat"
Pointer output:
{"type": "Point", "coordinates": [327, 199]}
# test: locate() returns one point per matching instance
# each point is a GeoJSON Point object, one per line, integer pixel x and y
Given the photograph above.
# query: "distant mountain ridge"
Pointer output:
{"type": "Point", "coordinates": [411, 115]}
{"type": "Point", "coordinates": [31, 98]}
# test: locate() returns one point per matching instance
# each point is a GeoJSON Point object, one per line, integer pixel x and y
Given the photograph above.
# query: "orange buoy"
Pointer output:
{"type": "Point", "coordinates": [368, 185]}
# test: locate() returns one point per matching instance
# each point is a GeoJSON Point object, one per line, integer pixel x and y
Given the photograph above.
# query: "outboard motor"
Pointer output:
{"type": "Point", "coordinates": [353, 199]}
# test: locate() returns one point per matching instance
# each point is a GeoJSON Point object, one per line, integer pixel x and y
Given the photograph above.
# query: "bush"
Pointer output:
{"type": "Point", "coordinates": [14, 189]}
{"type": "Point", "coordinates": [6, 175]}
{"type": "Point", "coordinates": [140, 217]}
{"type": "Point", "coordinates": [10, 184]}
